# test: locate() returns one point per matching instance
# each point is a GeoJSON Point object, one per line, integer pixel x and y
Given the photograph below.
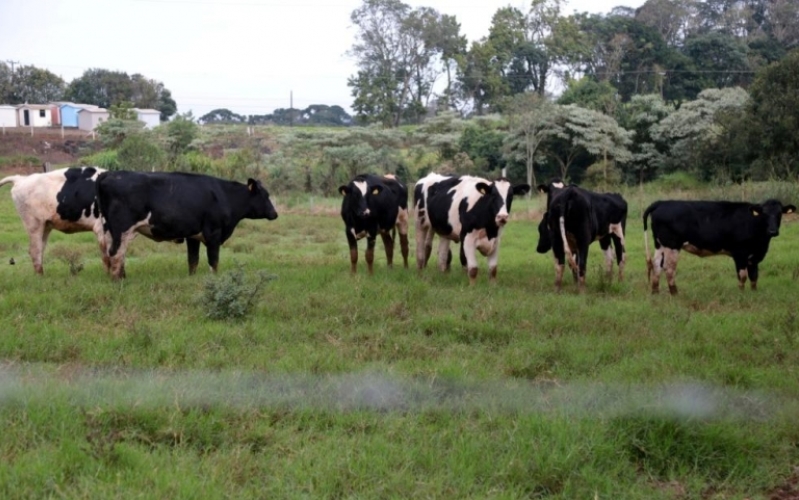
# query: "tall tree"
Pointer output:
{"type": "Point", "coordinates": [775, 110]}
{"type": "Point", "coordinates": [35, 86]}
{"type": "Point", "coordinates": [531, 120]}
{"type": "Point", "coordinates": [395, 51]}
{"type": "Point", "coordinates": [105, 88]}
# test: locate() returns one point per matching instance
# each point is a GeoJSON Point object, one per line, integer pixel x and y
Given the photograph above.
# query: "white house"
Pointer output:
{"type": "Point", "coordinates": [150, 117]}
{"type": "Point", "coordinates": [90, 118]}
{"type": "Point", "coordinates": [8, 115]}
{"type": "Point", "coordinates": [35, 115]}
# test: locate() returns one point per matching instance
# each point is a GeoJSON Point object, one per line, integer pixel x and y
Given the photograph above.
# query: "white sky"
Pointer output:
{"type": "Point", "coordinates": [244, 55]}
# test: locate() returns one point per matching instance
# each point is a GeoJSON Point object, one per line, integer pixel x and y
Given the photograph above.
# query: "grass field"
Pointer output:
{"type": "Point", "coordinates": [395, 385]}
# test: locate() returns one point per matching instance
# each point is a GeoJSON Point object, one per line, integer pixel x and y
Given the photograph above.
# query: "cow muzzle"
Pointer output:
{"type": "Point", "coordinates": [773, 232]}
{"type": "Point", "coordinates": [501, 220]}
{"type": "Point", "coordinates": [366, 213]}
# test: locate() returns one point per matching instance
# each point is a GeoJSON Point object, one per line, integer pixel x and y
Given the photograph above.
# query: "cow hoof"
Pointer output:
{"type": "Point", "coordinates": [673, 289]}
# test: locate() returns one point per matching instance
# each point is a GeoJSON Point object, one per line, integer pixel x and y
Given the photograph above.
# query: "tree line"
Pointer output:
{"type": "Point", "coordinates": [101, 87]}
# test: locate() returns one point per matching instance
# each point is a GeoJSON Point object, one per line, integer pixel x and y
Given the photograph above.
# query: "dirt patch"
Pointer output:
{"type": "Point", "coordinates": [47, 146]}
{"type": "Point", "coordinates": [789, 490]}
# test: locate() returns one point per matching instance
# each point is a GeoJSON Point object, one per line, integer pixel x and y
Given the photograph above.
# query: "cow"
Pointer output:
{"type": "Point", "coordinates": [471, 211]}
{"type": "Point", "coordinates": [373, 205]}
{"type": "Point", "coordinates": [424, 231]}
{"type": "Point", "coordinates": [61, 199]}
{"type": "Point", "coordinates": [577, 217]}
{"type": "Point", "coordinates": [175, 206]}
{"type": "Point", "coordinates": [704, 228]}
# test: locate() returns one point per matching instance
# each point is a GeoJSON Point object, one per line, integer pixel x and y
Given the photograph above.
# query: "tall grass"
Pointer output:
{"type": "Point", "coordinates": [396, 384]}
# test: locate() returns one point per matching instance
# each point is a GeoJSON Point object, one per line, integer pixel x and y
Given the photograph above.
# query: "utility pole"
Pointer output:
{"type": "Point", "coordinates": [12, 63]}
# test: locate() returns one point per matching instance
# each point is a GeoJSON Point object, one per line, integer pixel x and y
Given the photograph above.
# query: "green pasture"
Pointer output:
{"type": "Point", "coordinates": [396, 385]}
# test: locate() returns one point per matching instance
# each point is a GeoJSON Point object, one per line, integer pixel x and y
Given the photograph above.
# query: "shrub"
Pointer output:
{"type": "Point", "coordinates": [138, 153]}
{"type": "Point", "coordinates": [597, 175]}
{"type": "Point", "coordinates": [230, 296]}
{"type": "Point", "coordinates": [677, 181]}
{"type": "Point", "coordinates": [107, 160]}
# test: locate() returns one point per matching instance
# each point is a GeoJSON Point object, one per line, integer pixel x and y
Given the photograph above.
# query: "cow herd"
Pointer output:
{"type": "Point", "coordinates": [468, 210]}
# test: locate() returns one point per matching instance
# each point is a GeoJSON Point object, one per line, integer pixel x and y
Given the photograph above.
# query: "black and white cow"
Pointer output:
{"type": "Point", "coordinates": [63, 200]}
{"type": "Point", "coordinates": [373, 205]}
{"type": "Point", "coordinates": [704, 228]}
{"type": "Point", "coordinates": [471, 211]}
{"type": "Point", "coordinates": [577, 217]}
{"type": "Point", "coordinates": [176, 206]}
{"type": "Point", "coordinates": [424, 230]}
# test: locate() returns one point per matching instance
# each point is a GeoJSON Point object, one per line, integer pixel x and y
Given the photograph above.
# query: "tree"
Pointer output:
{"type": "Point", "coordinates": [222, 115]}
{"type": "Point", "coordinates": [584, 131]}
{"type": "Point", "coordinates": [721, 59]}
{"type": "Point", "coordinates": [694, 135]}
{"type": "Point", "coordinates": [105, 88]}
{"type": "Point", "coordinates": [480, 77]}
{"type": "Point", "coordinates": [531, 120]}
{"type": "Point", "coordinates": [774, 110]}
{"type": "Point", "coordinates": [589, 93]}
{"type": "Point", "coordinates": [395, 52]}
{"type": "Point", "coordinates": [639, 116]}
{"type": "Point", "coordinates": [35, 85]}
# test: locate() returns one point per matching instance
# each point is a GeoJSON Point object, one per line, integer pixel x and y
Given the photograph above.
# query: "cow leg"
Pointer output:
{"type": "Point", "coordinates": [212, 251]}
{"type": "Point", "coordinates": [444, 255]}
{"type": "Point", "coordinates": [38, 235]}
{"type": "Point", "coordinates": [671, 257]}
{"type": "Point", "coordinates": [604, 244]}
{"type": "Point", "coordinates": [422, 252]}
{"type": "Point", "coordinates": [388, 244]}
{"type": "Point", "coordinates": [493, 262]}
{"type": "Point", "coordinates": [353, 244]}
{"type": "Point", "coordinates": [559, 267]}
{"type": "Point", "coordinates": [617, 236]}
{"type": "Point", "coordinates": [469, 254]}
{"type": "Point", "coordinates": [752, 271]}
{"type": "Point", "coordinates": [117, 248]}
{"type": "Point", "coordinates": [193, 250]}
{"type": "Point", "coordinates": [402, 228]}
{"type": "Point", "coordinates": [98, 233]}
{"type": "Point", "coordinates": [657, 267]}
{"type": "Point", "coordinates": [370, 252]}
{"type": "Point", "coordinates": [582, 254]}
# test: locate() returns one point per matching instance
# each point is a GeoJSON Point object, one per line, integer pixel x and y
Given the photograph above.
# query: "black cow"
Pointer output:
{"type": "Point", "coordinates": [575, 218]}
{"type": "Point", "coordinates": [373, 204]}
{"type": "Point", "coordinates": [176, 206]}
{"type": "Point", "coordinates": [473, 212]}
{"type": "Point", "coordinates": [62, 200]}
{"type": "Point", "coordinates": [704, 228]}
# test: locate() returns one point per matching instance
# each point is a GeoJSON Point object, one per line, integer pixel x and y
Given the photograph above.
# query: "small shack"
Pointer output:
{"type": "Point", "coordinates": [150, 117]}
{"type": "Point", "coordinates": [8, 115]}
{"type": "Point", "coordinates": [90, 118]}
{"type": "Point", "coordinates": [35, 115]}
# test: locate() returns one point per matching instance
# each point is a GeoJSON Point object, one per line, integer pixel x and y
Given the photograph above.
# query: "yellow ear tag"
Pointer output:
{"type": "Point", "coordinates": [755, 213]}
{"type": "Point", "coordinates": [482, 191]}
{"type": "Point", "coordinates": [790, 211]}
{"type": "Point", "coordinates": [375, 191]}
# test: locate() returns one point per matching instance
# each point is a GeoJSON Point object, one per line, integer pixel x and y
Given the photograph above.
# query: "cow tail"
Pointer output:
{"type": "Point", "coordinates": [650, 267]}
{"type": "Point", "coordinates": [10, 179]}
{"type": "Point", "coordinates": [569, 255]}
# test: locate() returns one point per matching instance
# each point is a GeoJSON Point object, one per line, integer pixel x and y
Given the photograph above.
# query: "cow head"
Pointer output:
{"type": "Point", "coordinates": [356, 197]}
{"type": "Point", "coordinates": [771, 213]}
{"type": "Point", "coordinates": [499, 195]}
{"type": "Point", "coordinates": [544, 238]}
{"type": "Point", "coordinates": [260, 205]}
{"type": "Point", "coordinates": [553, 187]}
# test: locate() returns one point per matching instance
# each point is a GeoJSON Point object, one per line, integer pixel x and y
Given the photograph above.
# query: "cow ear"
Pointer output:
{"type": "Point", "coordinates": [542, 188]}
{"type": "Point", "coordinates": [521, 189]}
{"type": "Point", "coordinates": [756, 210]}
{"type": "Point", "coordinates": [482, 187]}
{"type": "Point", "coordinates": [252, 185]}
{"type": "Point", "coordinates": [344, 190]}
{"type": "Point", "coordinates": [788, 209]}
{"type": "Point", "coordinates": [376, 190]}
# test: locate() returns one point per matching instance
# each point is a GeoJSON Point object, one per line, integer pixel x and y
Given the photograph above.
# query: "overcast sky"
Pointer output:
{"type": "Point", "coordinates": [244, 55]}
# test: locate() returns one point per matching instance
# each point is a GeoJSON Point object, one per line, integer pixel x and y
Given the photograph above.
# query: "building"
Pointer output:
{"type": "Point", "coordinates": [8, 115]}
{"type": "Point", "coordinates": [68, 112]}
{"type": "Point", "coordinates": [150, 117]}
{"type": "Point", "coordinates": [35, 115]}
{"type": "Point", "coordinates": [90, 118]}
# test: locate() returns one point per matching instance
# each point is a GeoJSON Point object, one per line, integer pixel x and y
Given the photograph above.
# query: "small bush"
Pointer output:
{"type": "Point", "coordinates": [230, 296]}
{"type": "Point", "coordinates": [138, 153]}
{"type": "Point", "coordinates": [107, 160]}
{"type": "Point", "coordinates": [599, 176]}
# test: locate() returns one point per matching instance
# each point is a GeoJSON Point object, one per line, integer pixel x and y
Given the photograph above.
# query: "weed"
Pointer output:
{"type": "Point", "coordinates": [230, 296]}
